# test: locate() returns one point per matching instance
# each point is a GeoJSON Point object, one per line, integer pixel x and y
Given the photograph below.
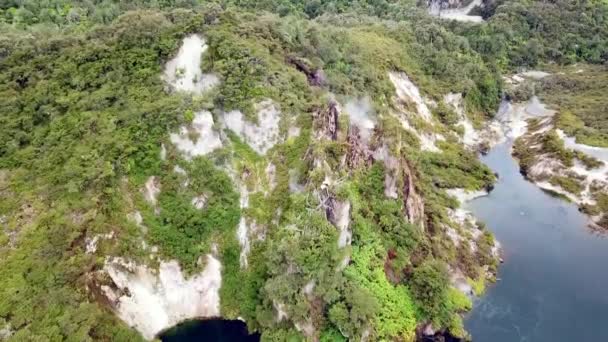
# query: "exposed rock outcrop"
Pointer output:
{"type": "Point", "coordinates": [151, 190]}
{"type": "Point", "coordinates": [260, 136]}
{"type": "Point", "coordinates": [358, 153]}
{"type": "Point", "coordinates": [554, 170]}
{"type": "Point", "coordinates": [151, 301]}
{"type": "Point", "coordinates": [326, 121]}
{"type": "Point", "coordinates": [458, 10]}
{"type": "Point", "coordinates": [199, 138]}
{"type": "Point", "coordinates": [410, 107]}
{"type": "Point", "coordinates": [413, 202]}
{"type": "Point", "coordinates": [6, 332]}
{"type": "Point", "coordinates": [337, 212]}
{"type": "Point", "coordinates": [316, 76]}
{"type": "Point", "coordinates": [183, 73]}
{"type": "Point", "coordinates": [470, 137]}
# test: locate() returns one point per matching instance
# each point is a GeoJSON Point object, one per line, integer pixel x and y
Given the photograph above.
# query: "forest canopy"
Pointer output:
{"type": "Point", "coordinates": [87, 123]}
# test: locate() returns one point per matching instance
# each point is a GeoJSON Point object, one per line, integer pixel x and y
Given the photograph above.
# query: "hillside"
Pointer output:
{"type": "Point", "coordinates": [298, 165]}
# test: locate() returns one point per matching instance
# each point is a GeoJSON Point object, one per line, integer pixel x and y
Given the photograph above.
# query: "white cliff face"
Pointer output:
{"type": "Point", "coordinates": [184, 73]}
{"type": "Point", "coordinates": [242, 232]}
{"type": "Point", "coordinates": [293, 132]}
{"type": "Point", "coordinates": [459, 282]}
{"type": "Point", "coordinates": [248, 227]}
{"type": "Point", "coordinates": [199, 202]}
{"type": "Point", "coordinates": [466, 231]}
{"type": "Point", "coordinates": [342, 214]}
{"type": "Point", "coordinates": [91, 243]}
{"type": "Point", "coordinates": [511, 121]}
{"type": "Point", "coordinates": [151, 190]}
{"type": "Point", "coordinates": [306, 328]}
{"type": "Point", "coordinates": [459, 14]}
{"type": "Point", "coordinates": [470, 137]}
{"type": "Point", "coordinates": [281, 314]}
{"type": "Point", "coordinates": [163, 152]}
{"type": "Point", "coordinates": [464, 196]}
{"type": "Point", "coordinates": [392, 168]}
{"type": "Point", "coordinates": [199, 139]}
{"type": "Point", "coordinates": [152, 300]}
{"type": "Point", "coordinates": [261, 136]}
{"type": "Point", "coordinates": [408, 92]}
{"type": "Point", "coordinates": [156, 301]}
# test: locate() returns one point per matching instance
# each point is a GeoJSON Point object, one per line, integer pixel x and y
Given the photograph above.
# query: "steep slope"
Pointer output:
{"type": "Point", "coordinates": [284, 177]}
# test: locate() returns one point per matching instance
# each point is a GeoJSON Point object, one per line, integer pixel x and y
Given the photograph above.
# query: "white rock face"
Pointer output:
{"type": "Point", "coordinates": [459, 282]}
{"type": "Point", "coordinates": [151, 190]}
{"type": "Point", "coordinates": [242, 232]}
{"type": "Point", "coordinates": [206, 138]}
{"type": "Point", "coordinates": [306, 328]}
{"type": "Point", "coordinates": [466, 222]}
{"type": "Point", "coordinates": [545, 166]}
{"type": "Point", "coordinates": [6, 332]}
{"type": "Point", "coordinates": [342, 213]}
{"type": "Point", "coordinates": [280, 308]}
{"type": "Point", "coordinates": [309, 288]}
{"type": "Point", "coordinates": [471, 136]}
{"type": "Point", "coordinates": [184, 73]}
{"type": "Point", "coordinates": [163, 152]}
{"type": "Point", "coordinates": [159, 300]}
{"type": "Point", "coordinates": [261, 136]}
{"type": "Point", "coordinates": [459, 14]}
{"type": "Point", "coordinates": [244, 228]}
{"type": "Point", "coordinates": [535, 74]}
{"type": "Point", "coordinates": [91, 243]}
{"type": "Point", "coordinates": [391, 165]}
{"type": "Point", "coordinates": [464, 196]}
{"type": "Point", "coordinates": [199, 202]}
{"type": "Point", "coordinates": [409, 93]}
{"type": "Point", "coordinates": [293, 132]}
{"type": "Point", "coordinates": [243, 237]}
{"type": "Point", "coordinates": [512, 118]}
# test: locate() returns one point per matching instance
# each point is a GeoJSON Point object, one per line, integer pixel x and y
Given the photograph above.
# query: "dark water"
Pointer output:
{"type": "Point", "coordinates": [215, 330]}
{"type": "Point", "coordinates": [554, 283]}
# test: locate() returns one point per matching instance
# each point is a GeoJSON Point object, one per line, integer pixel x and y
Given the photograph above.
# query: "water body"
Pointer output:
{"type": "Point", "coordinates": [554, 282]}
{"type": "Point", "coordinates": [215, 330]}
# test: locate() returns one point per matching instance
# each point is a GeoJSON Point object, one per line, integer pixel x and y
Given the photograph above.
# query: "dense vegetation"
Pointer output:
{"type": "Point", "coordinates": [525, 33]}
{"type": "Point", "coordinates": [84, 114]}
{"type": "Point", "coordinates": [578, 92]}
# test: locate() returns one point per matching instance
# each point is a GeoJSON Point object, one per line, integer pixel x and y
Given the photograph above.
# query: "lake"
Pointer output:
{"type": "Point", "coordinates": [213, 330]}
{"type": "Point", "coordinates": [554, 282]}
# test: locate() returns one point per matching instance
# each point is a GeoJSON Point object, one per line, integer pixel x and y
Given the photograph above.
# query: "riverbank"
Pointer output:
{"type": "Point", "coordinates": [547, 156]}
{"type": "Point", "coordinates": [548, 252]}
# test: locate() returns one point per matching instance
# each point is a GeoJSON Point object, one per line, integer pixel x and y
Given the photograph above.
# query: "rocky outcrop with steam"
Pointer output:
{"type": "Point", "coordinates": [455, 9]}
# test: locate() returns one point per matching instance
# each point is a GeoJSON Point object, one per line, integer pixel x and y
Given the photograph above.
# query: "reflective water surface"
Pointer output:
{"type": "Point", "coordinates": [554, 283]}
{"type": "Point", "coordinates": [215, 330]}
